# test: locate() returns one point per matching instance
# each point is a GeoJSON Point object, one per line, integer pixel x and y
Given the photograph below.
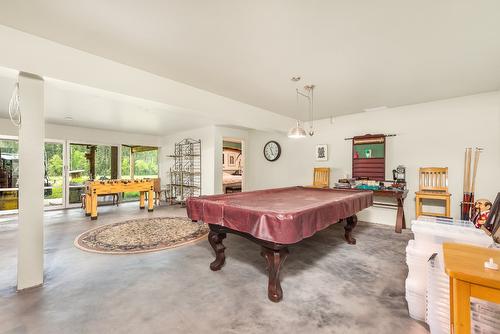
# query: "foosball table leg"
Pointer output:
{"type": "Point", "coordinates": [141, 199]}
{"type": "Point", "coordinates": [88, 204]}
{"type": "Point", "coordinates": [151, 200]}
{"type": "Point", "coordinates": [93, 210]}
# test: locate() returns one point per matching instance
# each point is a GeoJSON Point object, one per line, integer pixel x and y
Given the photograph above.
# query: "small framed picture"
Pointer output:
{"type": "Point", "coordinates": [322, 152]}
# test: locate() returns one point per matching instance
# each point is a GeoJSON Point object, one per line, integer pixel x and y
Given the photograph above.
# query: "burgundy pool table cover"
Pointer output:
{"type": "Point", "coordinates": [284, 215]}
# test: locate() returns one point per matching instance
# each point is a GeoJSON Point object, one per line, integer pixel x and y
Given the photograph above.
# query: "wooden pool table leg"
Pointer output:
{"type": "Point", "coordinates": [215, 240]}
{"type": "Point", "coordinates": [275, 259]}
{"type": "Point", "coordinates": [349, 226]}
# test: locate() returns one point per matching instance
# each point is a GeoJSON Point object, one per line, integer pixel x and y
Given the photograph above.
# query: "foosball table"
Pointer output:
{"type": "Point", "coordinates": [93, 189]}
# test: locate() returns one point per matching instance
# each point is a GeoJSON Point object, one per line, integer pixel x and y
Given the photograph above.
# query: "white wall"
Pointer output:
{"type": "Point", "coordinates": [428, 134]}
{"type": "Point", "coordinates": [211, 155]}
{"type": "Point", "coordinates": [207, 136]}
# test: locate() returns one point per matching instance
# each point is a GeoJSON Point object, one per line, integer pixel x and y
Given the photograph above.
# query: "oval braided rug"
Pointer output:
{"type": "Point", "coordinates": [141, 235]}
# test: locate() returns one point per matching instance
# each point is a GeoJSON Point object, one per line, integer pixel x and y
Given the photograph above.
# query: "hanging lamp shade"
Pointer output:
{"type": "Point", "coordinates": [297, 131]}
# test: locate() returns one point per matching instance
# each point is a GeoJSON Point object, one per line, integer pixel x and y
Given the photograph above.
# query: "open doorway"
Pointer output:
{"type": "Point", "coordinates": [232, 165]}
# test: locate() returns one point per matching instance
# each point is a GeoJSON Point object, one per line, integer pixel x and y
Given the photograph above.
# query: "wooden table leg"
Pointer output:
{"type": "Point", "coordinates": [151, 200]}
{"type": "Point", "coordinates": [349, 226]}
{"type": "Point", "coordinates": [451, 305]}
{"type": "Point", "coordinates": [403, 209]}
{"type": "Point", "coordinates": [141, 199]}
{"type": "Point", "coordinates": [460, 304]}
{"type": "Point", "coordinates": [400, 217]}
{"type": "Point", "coordinates": [215, 240]}
{"type": "Point", "coordinates": [275, 259]}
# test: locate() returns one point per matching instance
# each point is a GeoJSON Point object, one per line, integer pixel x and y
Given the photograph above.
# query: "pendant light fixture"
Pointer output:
{"type": "Point", "coordinates": [15, 107]}
{"type": "Point", "coordinates": [298, 131]}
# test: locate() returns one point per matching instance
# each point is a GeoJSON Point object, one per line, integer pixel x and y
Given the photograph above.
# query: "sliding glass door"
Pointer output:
{"type": "Point", "coordinates": [78, 173]}
{"type": "Point", "coordinates": [88, 162]}
{"type": "Point", "coordinates": [53, 182]}
{"type": "Point", "coordinates": [67, 166]}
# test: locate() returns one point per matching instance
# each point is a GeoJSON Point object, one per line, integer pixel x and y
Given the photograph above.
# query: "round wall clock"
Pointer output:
{"type": "Point", "coordinates": [272, 150]}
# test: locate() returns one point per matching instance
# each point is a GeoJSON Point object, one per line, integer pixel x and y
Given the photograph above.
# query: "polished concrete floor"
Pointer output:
{"type": "Point", "coordinates": [329, 286]}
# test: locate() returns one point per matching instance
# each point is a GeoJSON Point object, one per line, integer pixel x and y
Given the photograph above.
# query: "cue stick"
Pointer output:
{"type": "Point", "coordinates": [465, 172]}
{"type": "Point", "coordinates": [462, 211]}
{"type": "Point", "coordinates": [468, 197]}
{"type": "Point", "coordinates": [469, 162]}
{"type": "Point", "coordinates": [474, 173]}
{"type": "Point", "coordinates": [465, 199]}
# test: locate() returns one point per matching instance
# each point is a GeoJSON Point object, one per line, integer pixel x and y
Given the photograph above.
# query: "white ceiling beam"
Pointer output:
{"type": "Point", "coordinates": [26, 52]}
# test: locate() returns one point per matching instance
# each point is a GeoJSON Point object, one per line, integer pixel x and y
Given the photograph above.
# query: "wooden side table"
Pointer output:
{"type": "Point", "coordinates": [468, 278]}
{"type": "Point", "coordinates": [399, 196]}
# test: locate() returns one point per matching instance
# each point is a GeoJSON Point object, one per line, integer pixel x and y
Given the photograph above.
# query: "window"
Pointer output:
{"type": "Point", "coordinates": [138, 162]}
{"type": "Point", "coordinates": [87, 162]}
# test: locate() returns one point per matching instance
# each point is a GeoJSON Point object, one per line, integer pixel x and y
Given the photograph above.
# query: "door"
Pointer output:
{"type": "Point", "coordinates": [77, 173]}
{"type": "Point", "coordinates": [54, 181]}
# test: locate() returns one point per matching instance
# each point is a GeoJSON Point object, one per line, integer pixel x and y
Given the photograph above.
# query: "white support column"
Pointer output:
{"type": "Point", "coordinates": [31, 157]}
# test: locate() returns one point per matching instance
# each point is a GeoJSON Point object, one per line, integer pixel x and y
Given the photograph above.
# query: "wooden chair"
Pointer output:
{"type": "Point", "coordinates": [433, 185]}
{"type": "Point", "coordinates": [158, 190]}
{"type": "Point", "coordinates": [321, 177]}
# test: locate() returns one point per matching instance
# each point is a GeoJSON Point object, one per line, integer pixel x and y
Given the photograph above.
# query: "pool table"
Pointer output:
{"type": "Point", "coordinates": [275, 219]}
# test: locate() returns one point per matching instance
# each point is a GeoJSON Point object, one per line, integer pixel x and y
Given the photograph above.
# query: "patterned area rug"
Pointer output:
{"type": "Point", "coordinates": [141, 235]}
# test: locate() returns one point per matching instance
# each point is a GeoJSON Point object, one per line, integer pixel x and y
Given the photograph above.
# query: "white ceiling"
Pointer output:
{"type": "Point", "coordinates": [360, 54]}
{"type": "Point", "coordinates": [99, 109]}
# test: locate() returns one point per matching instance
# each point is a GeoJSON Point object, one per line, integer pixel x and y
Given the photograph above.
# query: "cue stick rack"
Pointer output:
{"type": "Point", "coordinates": [467, 204]}
{"type": "Point", "coordinates": [185, 173]}
{"type": "Point", "coordinates": [389, 135]}
{"type": "Point", "coordinates": [368, 156]}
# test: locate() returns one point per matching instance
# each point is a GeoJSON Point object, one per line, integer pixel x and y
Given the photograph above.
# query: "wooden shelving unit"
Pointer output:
{"type": "Point", "coordinates": [185, 174]}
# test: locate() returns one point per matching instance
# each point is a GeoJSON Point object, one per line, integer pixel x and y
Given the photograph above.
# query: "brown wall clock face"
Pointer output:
{"type": "Point", "coordinates": [272, 150]}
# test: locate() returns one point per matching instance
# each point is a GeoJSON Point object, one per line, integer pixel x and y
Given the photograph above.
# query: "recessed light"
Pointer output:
{"type": "Point", "coordinates": [68, 118]}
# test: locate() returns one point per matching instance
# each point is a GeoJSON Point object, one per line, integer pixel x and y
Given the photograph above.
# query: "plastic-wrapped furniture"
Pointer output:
{"type": "Point", "coordinates": [427, 285]}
